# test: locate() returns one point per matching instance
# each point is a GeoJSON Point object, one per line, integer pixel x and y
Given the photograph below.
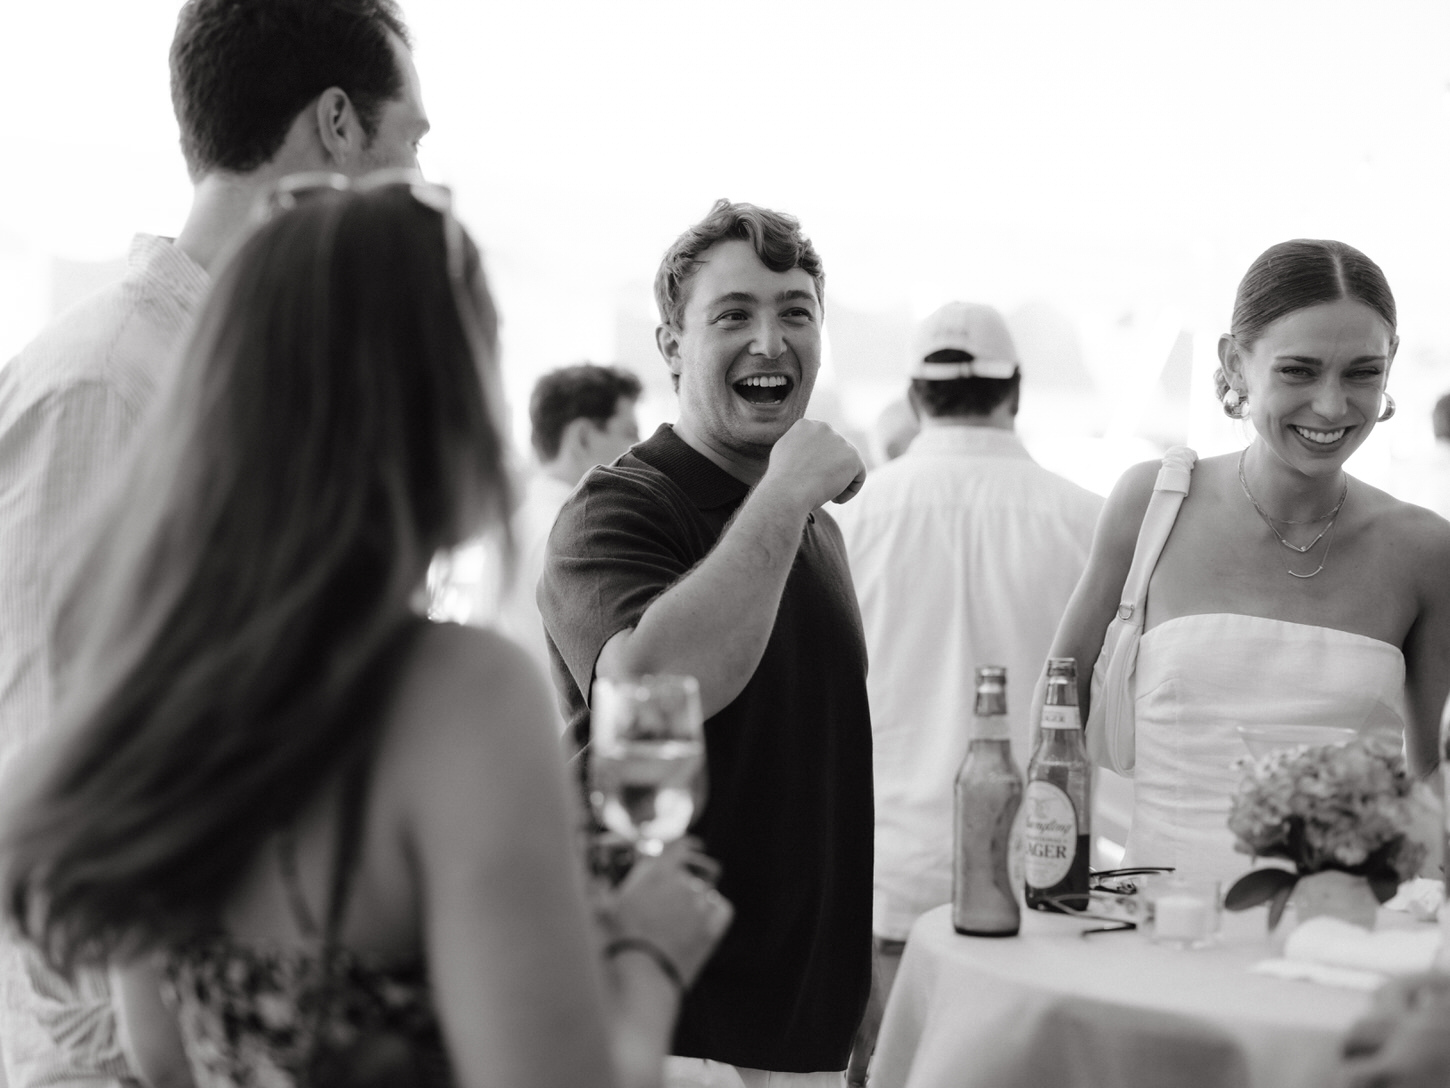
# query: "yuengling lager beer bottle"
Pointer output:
{"type": "Point", "coordinates": [1056, 820]}
{"type": "Point", "coordinates": [988, 794]}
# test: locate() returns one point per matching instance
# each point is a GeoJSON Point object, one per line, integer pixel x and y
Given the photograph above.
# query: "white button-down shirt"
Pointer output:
{"type": "Point", "coordinates": [964, 552]}
{"type": "Point", "coordinates": [69, 403]}
{"type": "Point", "coordinates": [519, 609]}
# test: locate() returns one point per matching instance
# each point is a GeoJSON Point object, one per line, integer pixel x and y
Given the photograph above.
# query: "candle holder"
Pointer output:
{"type": "Point", "coordinates": [1181, 912]}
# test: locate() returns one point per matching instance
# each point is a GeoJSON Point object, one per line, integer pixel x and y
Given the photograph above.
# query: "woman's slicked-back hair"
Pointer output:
{"type": "Point", "coordinates": [775, 236]}
{"type": "Point", "coordinates": [1304, 272]}
{"type": "Point", "coordinates": [241, 71]}
{"type": "Point", "coordinates": [333, 424]}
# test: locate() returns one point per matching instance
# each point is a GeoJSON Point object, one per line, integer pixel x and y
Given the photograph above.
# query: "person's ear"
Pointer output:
{"type": "Point", "coordinates": [574, 439]}
{"type": "Point", "coordinates": [1390, 358]}
{"type": "Point", "coordinates": [339, 128]}
{"type": "Point", "coordinates": [586, 435]}
{"type": "Point", "coordinates": [1231, 359]}
{"type": "Point", "coordinates": [667, 339]}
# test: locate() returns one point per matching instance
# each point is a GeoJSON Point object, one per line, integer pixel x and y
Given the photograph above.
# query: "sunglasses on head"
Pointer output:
{"type": "Point", "coordinates": [295, 189]}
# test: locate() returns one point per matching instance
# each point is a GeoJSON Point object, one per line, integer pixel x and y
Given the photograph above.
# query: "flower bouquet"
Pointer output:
{"type": "Point", "coordinates": [1349, 810]}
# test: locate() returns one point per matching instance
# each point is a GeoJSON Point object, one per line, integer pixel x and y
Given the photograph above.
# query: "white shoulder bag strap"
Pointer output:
{"type": "Point", "coordinates": [1109, 728]}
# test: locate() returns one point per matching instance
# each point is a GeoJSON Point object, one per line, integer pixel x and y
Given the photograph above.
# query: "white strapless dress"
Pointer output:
{"type": "Point", "coordinates": [1198, 678]}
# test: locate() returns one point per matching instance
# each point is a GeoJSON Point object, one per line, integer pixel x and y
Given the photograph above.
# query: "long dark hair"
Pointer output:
{"type": "Point", "coordinates": [332, 426]}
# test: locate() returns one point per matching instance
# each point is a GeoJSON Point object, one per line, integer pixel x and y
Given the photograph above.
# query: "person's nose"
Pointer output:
{"type": "Point", "coordinates": [769, 339]}
{"type": "Point", "coordinates": [1330, 401]}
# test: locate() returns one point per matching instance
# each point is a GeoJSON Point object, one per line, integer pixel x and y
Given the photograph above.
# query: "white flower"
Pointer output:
{"type": "Point", "coordinates": [1332, 807]}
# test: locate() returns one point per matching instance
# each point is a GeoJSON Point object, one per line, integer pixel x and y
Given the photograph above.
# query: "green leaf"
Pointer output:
{"type": "Point", "coordinates": [1277, 903]}
{"type": "Point", "coordinates": [1259, 886]}
{"type": "Point", "coordinates": [1384, 886]}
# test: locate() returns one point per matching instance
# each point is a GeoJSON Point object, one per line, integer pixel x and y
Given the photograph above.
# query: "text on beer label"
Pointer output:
{"type": "Point", "coordinates": [1061, 717]}
{"type": "Point", "coordinates": [1049, 834]}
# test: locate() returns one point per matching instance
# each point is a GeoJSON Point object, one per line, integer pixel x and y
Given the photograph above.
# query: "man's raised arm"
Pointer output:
{"type": "Point", "coordinates": [714, 622]}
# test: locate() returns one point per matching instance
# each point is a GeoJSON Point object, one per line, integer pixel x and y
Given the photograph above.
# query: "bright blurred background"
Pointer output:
{"type": "Point", "coordinates": [1101, 172]}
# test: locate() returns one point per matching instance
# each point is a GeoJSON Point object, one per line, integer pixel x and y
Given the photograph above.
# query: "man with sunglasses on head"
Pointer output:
{"type": "Point", "coordinates": [261, 89]}
{"type": "Point", "coordinates": [707, 550]}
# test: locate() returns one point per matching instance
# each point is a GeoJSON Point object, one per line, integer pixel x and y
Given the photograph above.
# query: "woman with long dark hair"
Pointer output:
{"type": "Point", "coordinates": [340, 834]}
{"type": "Point", "coordinates": [1288, 592]}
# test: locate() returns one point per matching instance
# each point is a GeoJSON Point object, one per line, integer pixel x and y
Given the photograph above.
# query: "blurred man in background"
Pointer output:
{"type": "Point", "coordinates": [260, 90]}
{"type": "Point", "coordinates": [580, 416]}
{"type": "Point", "coordinates": [1436, 483]}
{"type": "Point", "coordinates": [964, 552]}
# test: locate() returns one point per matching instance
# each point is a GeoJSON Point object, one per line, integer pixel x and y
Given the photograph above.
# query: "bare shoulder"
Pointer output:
{"type": "Point", "coordinates": [1123, 512]}
{"type": "Point", "coordinates": [453, 653]}
{"type": "Point", "coordinates": [1400, 518]}
{"type": "Point", "coordinates": [467, 695]}
{"type": "Point", "coordinates": [1136, 483]}
{"type": "Point", "coordinates": [1420, 538]}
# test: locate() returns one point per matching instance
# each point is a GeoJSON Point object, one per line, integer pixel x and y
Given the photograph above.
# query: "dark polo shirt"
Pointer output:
{"type": "Point", "coordinates": [789, 812]}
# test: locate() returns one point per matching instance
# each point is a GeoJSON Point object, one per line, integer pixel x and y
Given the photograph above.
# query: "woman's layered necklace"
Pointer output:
{"type": "Point", "coordinates": [1302, 549]}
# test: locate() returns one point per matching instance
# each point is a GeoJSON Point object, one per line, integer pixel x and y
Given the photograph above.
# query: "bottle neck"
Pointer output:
{"type": "Point", "coordinates": [991, 727]}
{"type": "Point", "coordinates": [986, 753]}
{"type": "Point", "coordinates": [990, 744]}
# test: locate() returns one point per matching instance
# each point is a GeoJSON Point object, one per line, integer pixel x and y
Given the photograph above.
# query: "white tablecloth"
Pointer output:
{"type": "Point", "coordinates": [1052, 1009]}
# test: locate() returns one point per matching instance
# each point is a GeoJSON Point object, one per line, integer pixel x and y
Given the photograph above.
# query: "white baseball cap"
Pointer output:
{"type": "Point", "coordinates": [970, 327]}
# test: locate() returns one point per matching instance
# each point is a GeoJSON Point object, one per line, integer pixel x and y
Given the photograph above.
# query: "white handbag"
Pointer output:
{"type": "Point", "coordinates": [1110, 725]}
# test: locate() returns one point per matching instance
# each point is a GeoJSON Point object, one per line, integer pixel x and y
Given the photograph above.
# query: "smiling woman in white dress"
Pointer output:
{"type": "Point", "coordinates": [1288, 591]}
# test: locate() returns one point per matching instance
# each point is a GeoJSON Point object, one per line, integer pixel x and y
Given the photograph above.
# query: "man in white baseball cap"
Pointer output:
{"type": "Point", "coordinates": [964, 552]}
{"type": "Point", "coordinates": [964, 340]}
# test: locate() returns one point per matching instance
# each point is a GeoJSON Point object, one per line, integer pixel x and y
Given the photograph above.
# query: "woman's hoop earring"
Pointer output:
{"type": "Point", "coordinates": [1235, 404]}
{"type": "Point", "coordinates": [1389, 409]}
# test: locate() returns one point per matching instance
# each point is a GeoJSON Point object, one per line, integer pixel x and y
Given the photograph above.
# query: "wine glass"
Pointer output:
{"type": "Point", "coordinates": [646, 757]}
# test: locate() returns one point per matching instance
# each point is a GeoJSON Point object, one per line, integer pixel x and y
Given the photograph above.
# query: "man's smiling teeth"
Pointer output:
{"type": "Point", "coordinates": [1324, 438]}
{"type": "Point", "coordinates": [764, 388]}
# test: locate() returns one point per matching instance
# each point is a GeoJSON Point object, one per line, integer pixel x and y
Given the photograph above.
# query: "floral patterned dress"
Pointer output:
{"type": "Point", "coordinates": [253, 1018]}
{"type": "Point", "coordinates": [319, 1016]}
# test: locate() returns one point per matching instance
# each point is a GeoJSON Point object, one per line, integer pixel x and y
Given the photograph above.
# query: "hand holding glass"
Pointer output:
{"type": "Point", "coordinates": [647, 755]}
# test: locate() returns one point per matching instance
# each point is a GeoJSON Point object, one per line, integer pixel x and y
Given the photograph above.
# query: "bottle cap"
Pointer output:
{"type": "Point", "coordinates": [989, 715]}
{"type": "Point", "coordinates": [1061, 682]}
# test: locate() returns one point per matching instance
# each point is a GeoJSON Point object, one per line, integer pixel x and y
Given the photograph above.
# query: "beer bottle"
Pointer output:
{"type": "Point", "coordinates": [988, 794]}
{"type": "Point", "coordinates": [1056, 823]}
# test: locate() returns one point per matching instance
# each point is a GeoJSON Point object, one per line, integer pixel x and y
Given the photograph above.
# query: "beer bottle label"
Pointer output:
{"type": "Point", "coordinates": [1061, 717]}
{"type": "Point", "coordinates": [1049, 832]}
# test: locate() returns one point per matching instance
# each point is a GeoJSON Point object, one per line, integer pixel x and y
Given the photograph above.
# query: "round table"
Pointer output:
{"type": "Point", "coordinates": [1053, 1009]}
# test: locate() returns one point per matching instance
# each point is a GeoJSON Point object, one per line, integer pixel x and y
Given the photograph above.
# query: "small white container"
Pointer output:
{"type": "Point", "coordinates": [1183, 913]}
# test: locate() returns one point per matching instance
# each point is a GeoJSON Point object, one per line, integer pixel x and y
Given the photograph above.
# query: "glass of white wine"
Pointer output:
{"type": "Point", "coordinates": [646, 757]}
